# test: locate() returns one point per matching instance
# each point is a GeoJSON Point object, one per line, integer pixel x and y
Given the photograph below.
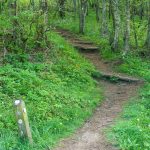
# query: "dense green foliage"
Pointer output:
{"type": "Point", "coordinates": [58, 90]}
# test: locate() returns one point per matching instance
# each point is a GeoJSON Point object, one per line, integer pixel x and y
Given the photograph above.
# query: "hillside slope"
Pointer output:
{"type": "Point", "coordinates": [58, 90]}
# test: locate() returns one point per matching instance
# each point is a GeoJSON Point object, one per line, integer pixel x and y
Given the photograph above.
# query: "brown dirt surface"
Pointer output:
{"type": "Point", "coordinates": [92, 136]}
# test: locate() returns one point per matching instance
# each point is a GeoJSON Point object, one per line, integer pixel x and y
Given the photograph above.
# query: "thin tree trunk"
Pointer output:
{"type": "Point", "coordinates": [115, 43]}
{"type": "Point", "coordinates": [82, 15]}
{"type": "Point", "coordinates": [45, 11]}
{"type": "Point", "coordinates": [110, 9]}
{"type": "Point", "coordinates": [147, 43]}
{"type": "Point", "coordinates": [75, 7]}
{"type": "Point", "coordinates": [135, 32]}
{"type": "Point", "coordinates": [104, 27]}
{"type": "Point", "coordinates": [97, 11]}
{"type": "Point", "coordinates": [1, 7]}
{"type": "Point", "coordinates": [13, 12]}
{"type": "Point", "coordinates": [127, 28]}
{"type": "Point", "coordinates": [141, 12]}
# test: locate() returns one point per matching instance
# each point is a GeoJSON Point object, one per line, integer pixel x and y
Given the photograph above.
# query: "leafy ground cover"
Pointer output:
{"type": "Point", "coordinates": [58, 90]}
{"type": "Point", "coordinates": [131, 130]}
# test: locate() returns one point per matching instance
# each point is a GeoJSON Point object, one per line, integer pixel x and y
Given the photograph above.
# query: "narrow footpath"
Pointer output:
{"type": "Point", "coordinates": [91, 136]}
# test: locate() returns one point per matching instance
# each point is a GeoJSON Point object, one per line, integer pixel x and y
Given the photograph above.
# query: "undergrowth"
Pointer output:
{"type": "Point", "coordinates": [57, 88]}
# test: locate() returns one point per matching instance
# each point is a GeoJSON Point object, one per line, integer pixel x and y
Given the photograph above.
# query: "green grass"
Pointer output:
{"type": "Point", "coordinates": [131, 130]}
{"type": "Point", "coordinates": [136, 66]}
{"type": "Point", "coordinates": [57, 88]}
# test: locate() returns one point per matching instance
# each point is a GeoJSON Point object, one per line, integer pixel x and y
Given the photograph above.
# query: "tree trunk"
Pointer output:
{"type": "Point", "coordinates": [13, 12]}
{"type": "Point", "coordinates": [127, 28]}
{"type": "Point", "coordinates": [110, 9]}
{"type": "Point", "coordinates": [97, 11]}
{"type": "Point", "coordinates": [45, 11]}
{"type": "Point", "coordinates": [141, 11]}
{"type": "Point", "coordinates": [117, 25]}
{"type": "Point", "coordinates": [82, 15]}
{"type": "Point", "coordinates": [104, 27]}
{"type": "Point", "coordinates": [147, 43]}
{"type": "Point", "coordinates": [75, 7]}
{"type": "Point", "coordinates": [134, 28]}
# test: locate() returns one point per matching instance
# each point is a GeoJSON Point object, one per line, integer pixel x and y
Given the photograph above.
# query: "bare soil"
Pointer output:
{"type": "Point", "coordinates": [92, 136]}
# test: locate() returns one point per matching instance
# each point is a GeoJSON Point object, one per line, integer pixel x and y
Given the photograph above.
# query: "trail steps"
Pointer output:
{"type": "Point", "coordinates": [89, 47]}
{"type": "Point", "coordinates": [119, 77]}
{"type": "Point", "coordinates": [91, 135]}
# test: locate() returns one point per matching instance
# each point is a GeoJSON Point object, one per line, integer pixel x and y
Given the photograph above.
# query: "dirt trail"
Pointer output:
{"type": "Point", "coordinates": [91, 136]}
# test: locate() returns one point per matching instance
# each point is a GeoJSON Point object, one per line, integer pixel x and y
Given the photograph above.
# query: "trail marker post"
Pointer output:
{"type": "Point", "coordinates": [22, 120]}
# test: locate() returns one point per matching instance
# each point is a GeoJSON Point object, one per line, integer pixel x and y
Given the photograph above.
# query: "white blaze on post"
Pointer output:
{"type": "Point", "coordinates": [22, 120]}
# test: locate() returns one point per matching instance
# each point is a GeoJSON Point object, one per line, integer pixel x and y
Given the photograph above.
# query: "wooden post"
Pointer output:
{"type": "Point", "coordinates": [22, 120]}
